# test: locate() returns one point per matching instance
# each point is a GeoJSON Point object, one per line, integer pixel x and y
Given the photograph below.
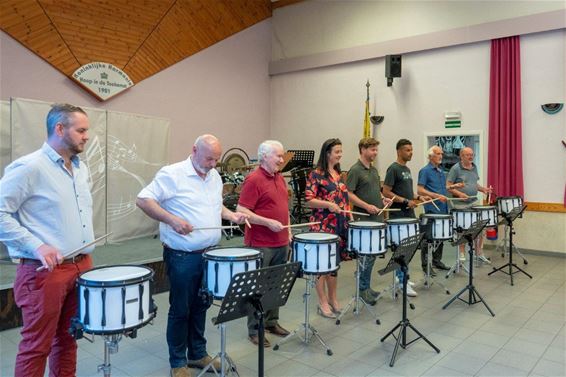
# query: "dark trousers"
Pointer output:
{"type": "Point", "coordinates": [272, 256]}
{"type": "Point", "coordinates": [436, 254]}
{"type": "Point", "coordinates": [187, 310]}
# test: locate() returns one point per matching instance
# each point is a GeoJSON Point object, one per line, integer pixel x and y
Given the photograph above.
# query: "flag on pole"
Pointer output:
{"type": "Point", "coordinates": [367, 124]}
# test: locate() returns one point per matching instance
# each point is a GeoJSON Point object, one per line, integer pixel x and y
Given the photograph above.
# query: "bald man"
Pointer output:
{"type": "Point", "coordinates": [181, 197]}
{"type": "Point", "coordinates": [462, 182]}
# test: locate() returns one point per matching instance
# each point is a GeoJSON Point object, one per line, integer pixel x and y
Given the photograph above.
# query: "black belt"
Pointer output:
{"type": "Point", "coordinates": [36, 262]}
{"type": "Point", "coordinates": [200, 251]}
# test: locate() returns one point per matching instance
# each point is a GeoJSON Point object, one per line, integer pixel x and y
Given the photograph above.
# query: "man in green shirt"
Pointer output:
{"type": "Point", "coordinates": [364, 190]}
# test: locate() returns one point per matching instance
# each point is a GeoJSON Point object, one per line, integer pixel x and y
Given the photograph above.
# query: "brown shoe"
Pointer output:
{"type": "Point", "coordinates": [202, 363]}
{"type": "Point", "coordinates": [255, 340]}
{"type": "Point", "coordinates": [180, 372]}
{"type": "Point", "coordinates": [277, 330]}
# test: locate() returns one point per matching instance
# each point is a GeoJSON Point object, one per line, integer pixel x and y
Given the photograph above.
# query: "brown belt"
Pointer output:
{"type": "Point", "coordinates": [36, 262]}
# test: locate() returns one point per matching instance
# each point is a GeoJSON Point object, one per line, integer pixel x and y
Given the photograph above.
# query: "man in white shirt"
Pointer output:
{"type": "Point", "coordinates": [184, 196]}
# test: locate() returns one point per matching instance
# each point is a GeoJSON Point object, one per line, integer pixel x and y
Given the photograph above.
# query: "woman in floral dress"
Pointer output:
{"type": "Point", "coordinates": [327, 194]}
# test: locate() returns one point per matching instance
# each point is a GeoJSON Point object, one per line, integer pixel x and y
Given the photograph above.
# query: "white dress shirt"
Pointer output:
{"type": "Point", "coordinates": [180, 191]}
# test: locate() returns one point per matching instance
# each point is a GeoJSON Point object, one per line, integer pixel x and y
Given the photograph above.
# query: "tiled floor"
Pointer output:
{"type": "Point", "coordinates": [527, 337]}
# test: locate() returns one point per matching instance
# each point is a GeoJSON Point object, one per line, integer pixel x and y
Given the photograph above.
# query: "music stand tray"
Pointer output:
{"type": "Point", "coordinates": [255, 292]}
{"type": "Point", "coordinates": [468, 236]}
{"type": "Point", "coordinates": [509, 218]}
{"type": "Point", "coordinates": [401, 258]}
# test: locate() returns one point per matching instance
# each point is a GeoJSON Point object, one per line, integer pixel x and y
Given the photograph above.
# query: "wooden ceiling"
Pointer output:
{"type": "Point", "coordinates": [142, 37]}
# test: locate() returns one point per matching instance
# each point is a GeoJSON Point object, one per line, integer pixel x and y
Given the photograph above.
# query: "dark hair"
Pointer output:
{"type": "Point", "coordinates": [401, 143]}
{"type": "Point", "coordinates": [367, 142]}
{"type": "Point", "coordinates": [322, 163]}
{"type": "Point", "coordinates": [60, 113]}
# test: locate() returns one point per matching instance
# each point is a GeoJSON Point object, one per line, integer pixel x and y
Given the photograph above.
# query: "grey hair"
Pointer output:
{"type": "Point", "coordinates": [267, 148]}
{"type": "Point", "coordinates": [431, 150]}
{"type": "Point", "coordinates": [205, 139]}
{"type": "Point", "coordinates": [61, 113]}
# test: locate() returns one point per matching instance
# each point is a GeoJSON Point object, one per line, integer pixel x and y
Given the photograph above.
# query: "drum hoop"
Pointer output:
{"type": "Point", "coordinates": [403, 221]}
{"type": "Point", "coordinates": [121, 330]}
{"type": "Point", "coordinates": [229, 258]}
{"type": "Point", "coordinates": [375, 225]}
{"type": "Point", "coordinates": [440, 216]}
{"type": "Point", "coordinates": [302, 240]}
{"type": "Point", "coordinates": [115, 283]}
{"type": "Point", "coordinates": [456, 210]}
{"type": "Point", "coordinates": [509, 197]}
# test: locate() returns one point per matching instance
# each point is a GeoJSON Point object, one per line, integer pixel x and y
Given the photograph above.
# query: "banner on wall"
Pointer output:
{"type": "Point", "coordinates": [101, 79]}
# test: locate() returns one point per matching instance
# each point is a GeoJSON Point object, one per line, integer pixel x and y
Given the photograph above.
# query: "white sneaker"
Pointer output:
{"type": "Point", "coordinates": [410, 291]}
{"type": "Point", "coordinates": [483, 259]}
{"type": "Point", "coordinates": [410, 284]}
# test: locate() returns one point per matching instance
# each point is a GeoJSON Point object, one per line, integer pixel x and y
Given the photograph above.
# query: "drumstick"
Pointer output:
{"type": "Point", "coordinates": [76, 252]}
{"type": "Point", "coordinates": [217, 227]}
{"type": "Point", "coordinates": [387, 205]}
{"type": "Point", "coordinates": [470, 197]}
{"type": "Point", "coordinates": [299, 225]}
{"type": "Point", "coordinates": [389, 210]}
{"type": "Point", "coordinates": [428, 201]}
{"type": "Point", "coordinates": [489, 195]}
{"type": "Point", "coordinates": [248, 223]}
{"type": "Point", "coordinates": [354, 212]}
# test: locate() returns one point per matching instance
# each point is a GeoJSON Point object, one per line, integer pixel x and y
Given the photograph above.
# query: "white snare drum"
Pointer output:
{"type": "Point", "coordinates": [367, 237]}
{"type": "Point", "coordinates": [506, 204]}
{"type": "Point", "coordinates": [221, 264]}
{"type": "Point", "coordinates": [316, 252]}
{"type": "Point", "coordinates": [399, 229]}
{"type": "Point", "coordinates": [115, 299]}
{"type": "Point", "coordinates": [464, 218]}
{"type": "Point", "coordinates": [487, 213]}
{"type": "Point", "coordinates": [438, 226]}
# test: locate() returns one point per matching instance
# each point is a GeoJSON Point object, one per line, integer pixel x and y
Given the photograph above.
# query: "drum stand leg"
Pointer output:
{"type": "Point", "coordinates": [502, 245]}
{"type": "Point", "coordinates": [110, 347]}
{"type": "Point", "coordinates": [227, 365]}
{"type": "Point", "coordinates": [457, 265]}
{"type": "Point", "coordinates": [428, 280]}
{"type": "Point", "coordinates": [308, 329]}
{"type": "Point", "coordinates": [355, 300]}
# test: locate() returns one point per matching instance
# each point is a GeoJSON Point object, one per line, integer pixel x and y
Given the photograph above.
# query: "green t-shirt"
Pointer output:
{"type": "Point", "coordinates": [399, 178]}
{"type": "Point", "coordinates": [365, 184]}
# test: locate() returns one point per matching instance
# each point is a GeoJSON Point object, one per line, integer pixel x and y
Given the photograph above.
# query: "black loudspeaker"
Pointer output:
{"type": "Point", "coordinates": [392, 66]}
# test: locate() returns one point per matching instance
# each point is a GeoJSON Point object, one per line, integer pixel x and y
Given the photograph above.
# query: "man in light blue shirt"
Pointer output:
{"type": "Point", "coordinates": [45, 213]}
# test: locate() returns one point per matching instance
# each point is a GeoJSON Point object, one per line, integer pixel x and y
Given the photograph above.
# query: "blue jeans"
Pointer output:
{"type": "Point", "coordinates": [187, 310]}
{"type": "Point", "coordinates": [365, 271]}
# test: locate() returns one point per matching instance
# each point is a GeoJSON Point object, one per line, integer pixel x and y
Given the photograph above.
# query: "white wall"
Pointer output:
{"type": "Point", "coordinates": [316, 26]}
{"type": "Point", "coordinates": [222, 90]}
{"type": "Point", "coordinates": [310, 106]}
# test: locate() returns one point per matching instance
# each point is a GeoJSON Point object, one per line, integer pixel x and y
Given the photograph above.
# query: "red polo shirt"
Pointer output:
{"type": "Point", "coordinates": [266, 195]}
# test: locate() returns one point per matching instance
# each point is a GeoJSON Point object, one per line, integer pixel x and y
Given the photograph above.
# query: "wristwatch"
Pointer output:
{"type": "Point", "coordinates": [405, 201]}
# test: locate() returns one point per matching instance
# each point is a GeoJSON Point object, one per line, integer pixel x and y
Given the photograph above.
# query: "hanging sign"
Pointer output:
{"type": "Point", "coordinates": [103, 80]}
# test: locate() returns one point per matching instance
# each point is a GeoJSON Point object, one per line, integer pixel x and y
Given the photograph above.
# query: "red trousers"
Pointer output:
{"type": "Point", "coordinates": [48, 301]}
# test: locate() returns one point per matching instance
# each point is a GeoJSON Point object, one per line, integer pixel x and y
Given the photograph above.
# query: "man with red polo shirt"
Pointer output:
{"type": "Point", "coordinates": [264, 198]}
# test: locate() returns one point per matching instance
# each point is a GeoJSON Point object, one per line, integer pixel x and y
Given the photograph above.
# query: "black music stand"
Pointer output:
{"type": "Point", "coordinates": [468, 236]}
{"type": "Point", "coordinates": [302, 159]}
{"type": "Point", "coordinates": [401, 258]}
{"type": "Point", "coordinates": [255, 292]}
{"type": "Point", "coordinates": [509, 218]}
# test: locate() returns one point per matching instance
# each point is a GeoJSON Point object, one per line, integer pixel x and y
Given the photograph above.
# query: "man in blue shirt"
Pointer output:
{"type": "Point", "coordinates": [432, 183]}
{"type": "Point", "coordinates": [45, 213]}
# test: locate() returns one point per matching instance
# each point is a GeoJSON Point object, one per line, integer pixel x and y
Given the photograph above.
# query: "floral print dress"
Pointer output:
{"type": "Point", "coordinates": [327, 188]}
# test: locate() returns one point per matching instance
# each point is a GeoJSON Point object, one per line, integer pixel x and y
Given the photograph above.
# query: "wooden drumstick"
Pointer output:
{"type": "Point", "coordinates": [248, 224]}
{"type": "Point", "coordinates": [354, 212]}
{"type": "Point", "coordinates": [468, 198]}
{"type": "Point", "coordinates": [387, 205]}
{"type": "Point", "coordinates": [300, 225]}
{"type": "Point", "coordinates": [217, 227]}
{"type": "Point", "coordinates": [428, 201]}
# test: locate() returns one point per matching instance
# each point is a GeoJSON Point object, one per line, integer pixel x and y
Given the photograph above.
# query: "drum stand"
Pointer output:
{"type": "Point", "coordinates": [110, 347]}
{"type": "Point", "coordinates": [355, 300]}
{"type": "Point", "coordinates": [502, 245]}
{"type": "Point", "coordinates": [428, 279]}
{"type": "Point", "coordinates": [227, 365]}
{"type": "Point", "coordinates": [309, 331]}
{"type": "Point", "coordinates": [457, 265]}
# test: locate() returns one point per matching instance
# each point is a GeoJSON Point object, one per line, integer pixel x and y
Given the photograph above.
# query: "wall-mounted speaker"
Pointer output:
{"type": "Point", "coordinates": [392, 66]}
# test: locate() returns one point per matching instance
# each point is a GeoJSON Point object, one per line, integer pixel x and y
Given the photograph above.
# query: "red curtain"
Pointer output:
{"type": "Point", "coordinates": [505, 152]}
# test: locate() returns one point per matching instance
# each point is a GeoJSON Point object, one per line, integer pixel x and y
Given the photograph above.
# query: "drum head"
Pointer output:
{"type": "Point", "coordinates": [231, 253]}
{"type": "Point", "coordinates": [403, 220]}
{"type": "Point", "coordinates": [366, 225]}
{"type": "Point", "coordinates": [483, 208]}
{"type": "Point", "coordinates": [465, 210]}
{"type": "Point", "coordinates": [312, 237]}
{"type": "Point", "coordinates": [115, 275]}
{"type": "Point", "coordinates": [435, 216]}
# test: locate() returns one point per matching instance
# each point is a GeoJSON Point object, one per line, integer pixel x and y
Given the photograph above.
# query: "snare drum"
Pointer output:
{"type": "Point", "coordinates": [367, 237]}
{"type": "Point", "coordinates": [487, 213]}
{"type": "Point", "coordinates": [399, 229]}
{"type": "Point", "coordinates": [438, 226]}
{"type": "Point", "coordinates": [316, 252]}
{"type": "Point", "coordinates": [465, 217]}
{"type": "Point", "coordinates": [115, 299]}
{"type": "Point", "coordinates": [506, 204]}
{"type": "Point", "coordinates": [222, 263]}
